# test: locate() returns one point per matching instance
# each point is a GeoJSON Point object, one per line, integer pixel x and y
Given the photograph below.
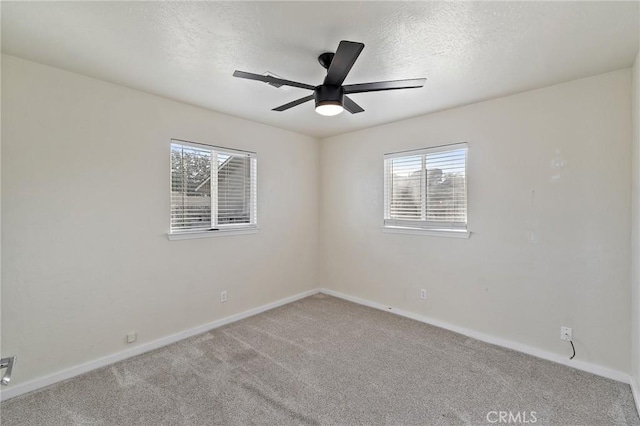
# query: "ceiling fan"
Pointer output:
{"type": "Point", "coordinates": [331, 96]}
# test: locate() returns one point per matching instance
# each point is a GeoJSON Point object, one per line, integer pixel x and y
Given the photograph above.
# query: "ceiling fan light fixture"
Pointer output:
{"type": "Point", "coordinates": [330, 96]}
{"type": "Point", "coordinates": [329, 108]}
{"type": "Point", "coordinates": [329, 99]}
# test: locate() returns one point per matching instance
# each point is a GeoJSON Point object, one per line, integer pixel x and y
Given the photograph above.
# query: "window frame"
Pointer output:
{"type": "Point", "coordinates": [217, 229]}
{"type": "Point", "coordinates": [425, 227]}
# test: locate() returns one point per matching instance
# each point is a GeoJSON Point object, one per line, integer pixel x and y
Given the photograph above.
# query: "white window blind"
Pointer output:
{"type": "Point", "coordinates": [212, 188]}
{"type": "Point", "coordinates": [426, 188]}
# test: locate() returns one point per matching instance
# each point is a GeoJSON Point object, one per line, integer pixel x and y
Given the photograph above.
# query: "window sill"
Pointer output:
{"type": "Point", "coordinates": [212, 233]}
{"type": "Point", "coordinates": [450, 233]}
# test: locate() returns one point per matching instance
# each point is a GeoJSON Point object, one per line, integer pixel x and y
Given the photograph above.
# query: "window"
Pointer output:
{"type": "Point", "coordinates": [426, 189]}
{"type": "Point", "coordinates": [212, 188]}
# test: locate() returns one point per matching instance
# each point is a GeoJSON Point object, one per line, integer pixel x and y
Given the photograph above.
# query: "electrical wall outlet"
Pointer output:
{"type": "Point", "coordinates": [223, 296]}
{"type": "Point", "coordinates": [132, 337]}
{"type": "Point", "coordinates": [566, 333]}
{"type": "Point", "coordinates": [423, 294]}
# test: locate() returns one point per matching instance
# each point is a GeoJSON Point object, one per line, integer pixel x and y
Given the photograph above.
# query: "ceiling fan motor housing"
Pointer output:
{"type": "Point", "coordinates": [326, 94]}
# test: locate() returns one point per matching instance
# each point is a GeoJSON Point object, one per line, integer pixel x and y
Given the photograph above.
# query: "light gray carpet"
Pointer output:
{"type": "Point", "coordinates": [323, 360]}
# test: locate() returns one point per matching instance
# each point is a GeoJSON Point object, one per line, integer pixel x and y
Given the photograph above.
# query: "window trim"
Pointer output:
{"type": "Point", "coordinates": [219, 229]}
{"type": "Point", "coordinates": [425, 227]}
{"type": "Point", "coordinates": [451, 233]}
{"type": "Point", "coordinates": [189, 235]}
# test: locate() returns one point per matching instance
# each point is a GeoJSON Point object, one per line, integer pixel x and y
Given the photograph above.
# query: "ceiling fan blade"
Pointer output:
{"type": "Point", "coordinates": [272, 80]}
{"type": "Point", "coordinates": [294, 103]}
{"type": "Point", "coordinates": [343, 60]}
{"type": "Point", "coordinates": [351, 106]}
{"type": "Point", "coordinates": [385, 85]}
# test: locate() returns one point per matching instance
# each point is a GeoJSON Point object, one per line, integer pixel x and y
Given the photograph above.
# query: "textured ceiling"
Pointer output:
{"type": "Point", "coordinates": [468, 51]}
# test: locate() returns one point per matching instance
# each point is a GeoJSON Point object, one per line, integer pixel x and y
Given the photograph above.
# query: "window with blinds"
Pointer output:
{"type": "Point", "coordinates": [426, 188]}
{"type": "Point", "coordinates": [212, 188]}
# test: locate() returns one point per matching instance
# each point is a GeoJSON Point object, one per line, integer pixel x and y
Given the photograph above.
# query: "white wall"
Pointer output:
{"type": "Point", "coordinates": [85, 211]}
{"type": "Point", "coordinates": [533, 262]}
{"type": "Point", "coordinates": [635, 233]}
{"type": "Point", "coordinates": [85, 207]}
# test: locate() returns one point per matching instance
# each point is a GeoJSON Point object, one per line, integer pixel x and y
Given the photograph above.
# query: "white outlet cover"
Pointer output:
{"type": "Point", "coordinates": [423, 294]}
{"type": "Point", "coordinates": [132, 337]}
{"type": "Point", "coordinates": [566, 333]}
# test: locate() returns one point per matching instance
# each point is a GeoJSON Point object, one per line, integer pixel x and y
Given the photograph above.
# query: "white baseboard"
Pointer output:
{"type": "Point", "coordinates": [22, 388]}
{"type": "Point", "coordinates": [635, 390]}
{"type": "Point", "coordinates": [539, 353]}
